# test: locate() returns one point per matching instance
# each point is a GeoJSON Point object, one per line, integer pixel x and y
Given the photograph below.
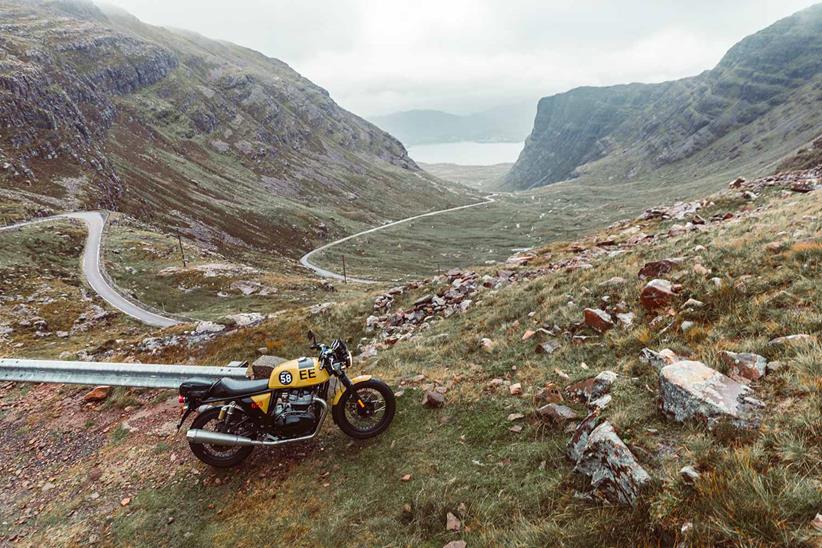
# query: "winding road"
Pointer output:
{"type": "Point", "coordinates": [92, 267]}
{"type": "Point", "coordinates": [305, 260]}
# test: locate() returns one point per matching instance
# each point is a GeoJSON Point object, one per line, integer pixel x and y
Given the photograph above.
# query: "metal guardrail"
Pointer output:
{"type": "Point", "coordinates": [138, 375]}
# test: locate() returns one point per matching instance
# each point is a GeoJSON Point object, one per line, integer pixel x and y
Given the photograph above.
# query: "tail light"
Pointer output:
{"type": "Point", "coordinates": [181, 399]}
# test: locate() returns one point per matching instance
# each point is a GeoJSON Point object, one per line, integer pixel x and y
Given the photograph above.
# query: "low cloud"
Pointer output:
{"type": "Point", "coordinates": [380, 56]}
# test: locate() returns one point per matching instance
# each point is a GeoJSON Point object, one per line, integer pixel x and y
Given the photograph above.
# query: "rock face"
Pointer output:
{"type": "Point", "coordinates": [614, 471]}
{"type": "Point", "coordinates": [691, 390]}
{"type": "Point", "coordinates": [635, 129]}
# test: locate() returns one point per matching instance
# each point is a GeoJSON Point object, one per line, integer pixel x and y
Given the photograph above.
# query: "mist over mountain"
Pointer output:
{"type": "Point", "coordinates": [762, 101]}
{"type": "Point", "coordinates": [502, 124]}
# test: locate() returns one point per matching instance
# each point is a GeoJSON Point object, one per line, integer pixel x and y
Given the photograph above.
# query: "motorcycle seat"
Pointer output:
{"type": "Point", "coordinates": [229, 388]}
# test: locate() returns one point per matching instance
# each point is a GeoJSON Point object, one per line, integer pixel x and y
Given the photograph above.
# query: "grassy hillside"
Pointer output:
{"type": "Point", "coordinates": [122, 478]}
{"type": "Point", "coordinates": [231, 147]}
{"type": "Point", "coordinates": [761, 102]}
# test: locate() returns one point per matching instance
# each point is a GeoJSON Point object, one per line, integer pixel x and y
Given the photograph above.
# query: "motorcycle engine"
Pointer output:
{"type": "Point", "coordinates": [294, 414]}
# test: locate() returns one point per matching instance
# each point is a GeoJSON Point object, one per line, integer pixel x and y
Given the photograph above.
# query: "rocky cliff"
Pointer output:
{"type": "Point", "coordinates": [761, 101]}
{"type": "Point", "coordinates": [177, 129]}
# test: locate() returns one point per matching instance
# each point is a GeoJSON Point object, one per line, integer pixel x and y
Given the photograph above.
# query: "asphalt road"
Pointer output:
{"type": "Point", "coordinates": [305, 260]}
{"type": "Point", "coordinates": [92, 267]}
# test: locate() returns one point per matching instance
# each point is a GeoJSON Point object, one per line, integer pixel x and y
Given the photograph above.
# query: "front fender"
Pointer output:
{"type": "Point", "coordinates": [341, 389]}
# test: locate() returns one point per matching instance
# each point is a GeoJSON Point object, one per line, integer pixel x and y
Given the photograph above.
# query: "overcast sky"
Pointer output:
{"type": "Point", "coordinates": [381, 56]}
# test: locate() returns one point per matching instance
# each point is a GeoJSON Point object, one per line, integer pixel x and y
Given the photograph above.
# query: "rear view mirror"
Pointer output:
{"type": "Point", "coordinates": [311, 337]}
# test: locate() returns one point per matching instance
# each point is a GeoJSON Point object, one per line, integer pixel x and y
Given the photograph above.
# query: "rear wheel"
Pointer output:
{"type": "Point", "coordinates": [371, 418]}
{"type": "Point", "coordinates": [222, 456]}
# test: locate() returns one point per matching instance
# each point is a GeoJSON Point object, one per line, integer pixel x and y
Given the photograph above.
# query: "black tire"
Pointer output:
{"type": "Point", "coordinates": [219, 456]}
{"type": "Point", "coordinates": [368, 390]}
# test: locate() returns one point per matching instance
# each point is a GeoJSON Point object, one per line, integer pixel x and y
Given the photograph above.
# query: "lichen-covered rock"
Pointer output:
{"type": "Point", "coordinates": [614, 471]}
{"type": "Point", "coordinates": [690, 390]}
{"type": "Point", "coordinates": [580, 438]}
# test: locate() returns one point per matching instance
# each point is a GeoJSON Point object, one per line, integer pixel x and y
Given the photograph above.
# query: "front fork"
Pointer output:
{"type": "Point", "coordinates": [346, 382]}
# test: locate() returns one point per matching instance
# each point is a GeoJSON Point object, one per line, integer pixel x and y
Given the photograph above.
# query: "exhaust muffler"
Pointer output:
{"type": "Point", "coordinates": [197, 435]}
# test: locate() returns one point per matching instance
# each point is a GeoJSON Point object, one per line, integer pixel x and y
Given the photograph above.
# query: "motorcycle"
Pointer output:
{"type": "Point", "coordinates": [235, 416]}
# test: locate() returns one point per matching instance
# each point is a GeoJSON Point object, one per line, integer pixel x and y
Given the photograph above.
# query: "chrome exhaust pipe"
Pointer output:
{"type": "Point", "coordinates": [197, 435]}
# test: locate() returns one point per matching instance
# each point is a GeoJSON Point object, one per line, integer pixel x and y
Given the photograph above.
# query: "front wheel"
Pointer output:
{"type": "Point", "coordinates": [372, 417]}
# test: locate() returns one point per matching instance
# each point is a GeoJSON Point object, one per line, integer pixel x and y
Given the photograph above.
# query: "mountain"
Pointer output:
{"type": "Point", "coordinates": [235, 148]}
{"type": "Point", "coordinates": [503, 124]}
{"type": "Point", "coordinates": [762, 101]}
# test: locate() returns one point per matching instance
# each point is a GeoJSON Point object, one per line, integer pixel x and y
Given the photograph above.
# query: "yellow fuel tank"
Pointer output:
{"type": "Point", "coordinates": [299, 373]}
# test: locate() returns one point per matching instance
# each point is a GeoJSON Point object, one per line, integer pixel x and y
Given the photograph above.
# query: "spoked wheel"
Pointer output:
{"type": "Point", "coordinates": [369, 418]}
{"type": "Point", "coordinates": [222, 456]}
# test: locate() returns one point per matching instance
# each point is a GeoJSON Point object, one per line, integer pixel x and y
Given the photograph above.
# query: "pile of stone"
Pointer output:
{"type": "Point", "coordinates": [454, 297]}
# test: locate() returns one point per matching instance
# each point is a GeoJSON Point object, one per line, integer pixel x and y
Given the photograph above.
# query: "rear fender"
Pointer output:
{"type": "Point", "coordinates": [341, 389]}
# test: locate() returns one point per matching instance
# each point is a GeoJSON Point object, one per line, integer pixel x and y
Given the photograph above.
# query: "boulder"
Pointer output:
{"type": "Point", "coordinates": [689, 474]}
{"type": "Point", "coordinates": [452, 523]}
{"type": "Point", "coordinates": [690, 390]}
{"type": "Point", "coordinates": [691, 304]}
{"type": "Point", "coordinates": [655, 269]}
{"type": "Point", "coordinates": [592, 388]}
{"type": "Point", "coordinates": [243, 320]}
{"type": "Point", "coordinates": [547, 347]}
{"type": "Point", "coordinates": [488, 345]}
{"type": "Point", "coordinates": [99, 393]}
{"type": "Point", "coordinates": [208, 327]}
{"type": "Point", "coordinates": [744, 365]}
{"type": "Point", "coordinates": [658, 359]}
{"type": "Point", "coordinates": [791, 339]}
{"type": "Point", "coordinates": [598, 319]}
{"type": "Point", "coordinates": [616, 281]}
{"type": "Point", "coordinates": [600, 403]}
{"type": "Point", "coordinates": [557, 413]}
{"type": "Point", "coordinates": [626, 318]}
{"type": "Point", "coordinates": [549, 394]}
{"type": "Point", "coordinates": [433, 399]}
{"type": "Point", "coordinates": [614, 471]}
{"type": "Point", "coordinates": [656, 294]}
